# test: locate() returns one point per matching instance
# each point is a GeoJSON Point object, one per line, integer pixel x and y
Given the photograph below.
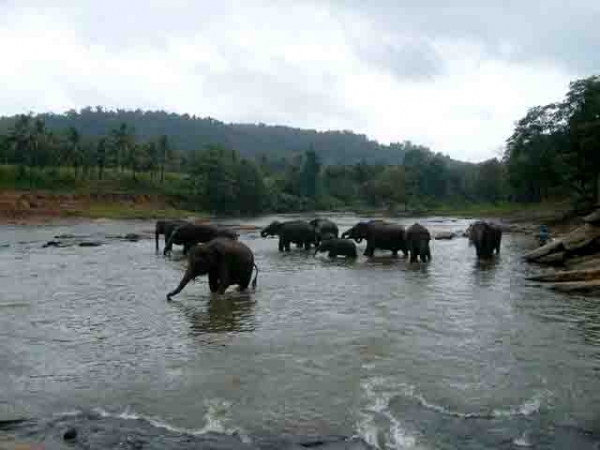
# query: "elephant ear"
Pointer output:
{"type": "Point", "coordinates": [215, 254]}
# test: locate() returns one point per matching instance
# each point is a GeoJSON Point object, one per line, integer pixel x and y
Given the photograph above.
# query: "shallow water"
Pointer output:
{"type": "Point", "coordinates": [450, 354]}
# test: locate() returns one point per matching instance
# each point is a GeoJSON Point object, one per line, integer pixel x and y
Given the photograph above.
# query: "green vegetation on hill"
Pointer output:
{"type": "Point", "coordinates": [245, 169]}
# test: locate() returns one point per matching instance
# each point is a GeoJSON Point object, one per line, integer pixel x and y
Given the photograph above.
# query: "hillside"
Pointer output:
{"type": "Point", "coordinates": [190, 133]}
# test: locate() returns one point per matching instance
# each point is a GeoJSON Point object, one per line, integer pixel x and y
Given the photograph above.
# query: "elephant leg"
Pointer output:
{"type": "Point", "coordinates": [298, 244]}
{"type": "Point", "coordinates": [369, 251]}
{"type": "Point", "coordinates": [224, 279]}
{"type": "Point", "coordinates": [213, 280]}
{"type": "Point", "coordinates": [186, 248]}
{"type": "Point", "coordinates": [244, 281]}
{"type": "Point", "coordinates": [332, 255]}
{"type": "Point", "coordinates": [281, 245]}
{"type": "Point", "coordinates": [395, 253]}
{"type": "Point", "coordinates": [307, 245]}
{"type": "Point", "coordinates": [167, 250]}
{"type": "Point", "coordinates": [187, 277]}
{"type": "Point", "coordinates": [287, 245]}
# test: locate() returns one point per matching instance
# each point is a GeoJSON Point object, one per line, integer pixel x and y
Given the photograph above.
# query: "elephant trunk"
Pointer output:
{"type": "Point", "coordinates": [156, 234]}
{"type": "Point", "coordinates": [169, 243]}
{"type": "Point", "coordinates": [187, 277]}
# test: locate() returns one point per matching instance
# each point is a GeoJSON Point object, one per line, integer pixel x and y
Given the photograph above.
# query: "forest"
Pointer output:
{"type": "Point", "coordinates": [244, 169]}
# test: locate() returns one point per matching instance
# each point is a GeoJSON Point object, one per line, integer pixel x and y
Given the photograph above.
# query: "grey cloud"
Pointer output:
{"type": "Point", "coordinates": [409, 59]}
{"type": "Point", "coordinates": [549, 31]}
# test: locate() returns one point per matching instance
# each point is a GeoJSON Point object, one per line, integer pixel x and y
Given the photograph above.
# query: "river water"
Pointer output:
{"type": "Point", "coordinates": [450, 354]}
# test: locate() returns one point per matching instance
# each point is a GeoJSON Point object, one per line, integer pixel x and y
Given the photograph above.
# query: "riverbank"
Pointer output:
{"type": "Point", "coordinates": [17, 206]}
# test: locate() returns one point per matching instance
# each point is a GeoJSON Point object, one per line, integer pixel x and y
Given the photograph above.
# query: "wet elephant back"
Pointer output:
{"type": "Point", "coordinates": [297, 231]}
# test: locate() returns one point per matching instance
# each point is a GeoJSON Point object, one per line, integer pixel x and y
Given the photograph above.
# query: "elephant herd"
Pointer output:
{"type": "Point", "coordinates": [228, 261]}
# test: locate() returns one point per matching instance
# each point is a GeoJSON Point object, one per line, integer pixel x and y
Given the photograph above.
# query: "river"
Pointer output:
{"type": "Point", "coordinates": [449, 354]}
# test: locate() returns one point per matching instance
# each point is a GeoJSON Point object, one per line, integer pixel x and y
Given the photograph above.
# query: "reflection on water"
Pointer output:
{"type": "Point", "coordinates": [221, 314]}
{"type": "Point", "coordinates": [454, 353]}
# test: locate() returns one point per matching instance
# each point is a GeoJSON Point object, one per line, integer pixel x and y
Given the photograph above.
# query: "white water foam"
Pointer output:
{"type": "Point", "coordinates": [395, 437]}
{"type": "Point", "coordinates": [523, 441]}
{"type": "Point", "coordinates": [214, 420]}
{"type": "Point", "coordinates": [379, 391]}
{"type": "Point", "coordinates": [529, 407]}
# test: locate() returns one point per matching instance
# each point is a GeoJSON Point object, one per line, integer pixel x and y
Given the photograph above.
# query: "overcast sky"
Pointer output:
{"type": "Point", "coordinates": [455, 78]}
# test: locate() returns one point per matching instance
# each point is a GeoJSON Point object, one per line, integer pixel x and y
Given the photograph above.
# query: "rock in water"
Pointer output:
{"type": "Point", "coordinates": [70, 434]}
{"type": "Point", "coordinates": [90, 244]}
{"type": "Point", "coordinates": [446, 235]}
{"type": "Point", "coordinates": [593, 218]}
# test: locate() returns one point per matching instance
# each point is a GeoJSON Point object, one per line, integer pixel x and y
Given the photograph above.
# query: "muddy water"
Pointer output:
{"type": "Point", "coordinates": [452, 354]}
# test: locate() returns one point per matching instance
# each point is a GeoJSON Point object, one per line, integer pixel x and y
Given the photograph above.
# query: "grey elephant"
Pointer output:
{"type": "Point", "coordinates": [337, 247]}
{"type": "Point", "coordinates": [299, 232]}
{"type": "Point", "coordinates": [190, 234]}
{"type": "Point", "coordinates": [486, 237]}
{"type": "Point", "coordinates": [166, 227]}
{"type": "Point", "coordinates": [324, 227]}
{"type": "Point", "coordinates": [379, 235]}
{"type": "Point", "coordinates": [226, 261]}
{"type": "Point", "coordinates": [417, 243]}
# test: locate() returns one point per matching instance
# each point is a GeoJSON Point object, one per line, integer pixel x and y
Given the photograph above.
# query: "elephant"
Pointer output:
{"type": "Point", "coordinates": [190, 234]}
{"type": "Point", "coordinates": [417, 243]}
{"type": "Point", "coordinates": [324, 227]}
{"type": "Point", "coordinates": [379, 235]}
{"type": "Point", "coordinates": [335, 247]}
{"type": "Point", "coordinates": [166, 227]}
{"type": "Point", "coordinates": [297, 231]}
{"type": "Point", "coordinates": [486, 237]}
{"type": "Point", "coordinates": [226, 261]}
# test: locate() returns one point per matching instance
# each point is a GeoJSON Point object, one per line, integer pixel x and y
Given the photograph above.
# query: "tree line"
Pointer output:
{"type": "Point", "coordinates": [555, 148]}
{"type": "Point", "coordinates": [34, 149]}
{"type": "Point", "coordinates": [553, 152]}
{"type": "Point", "coordinates": [219, 179]}
{"type": "Point", "coordinates": [188, 133]}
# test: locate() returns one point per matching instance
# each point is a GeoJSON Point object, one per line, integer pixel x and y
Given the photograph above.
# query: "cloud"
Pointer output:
{"type": "Point", "coordinates": [452, 77]}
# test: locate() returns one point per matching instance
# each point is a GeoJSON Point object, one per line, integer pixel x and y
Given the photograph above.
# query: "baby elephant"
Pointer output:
{"type": "Point", "coordinates": [225, 261]}
{"type": "Point", "coordinates": [335, 247]}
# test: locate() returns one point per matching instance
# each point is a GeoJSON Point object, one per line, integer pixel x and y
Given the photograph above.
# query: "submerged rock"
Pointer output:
{"type": "Point", "coordinates": [446, 235]}
{"type": "Point", "coordinates": [70, 434]}
{"type": "Point", "coordinates": [94, 431]}
{"type": "Point", "coordinates": [55, 244]}
{"type": "Point", "coordinates": [90, 244]}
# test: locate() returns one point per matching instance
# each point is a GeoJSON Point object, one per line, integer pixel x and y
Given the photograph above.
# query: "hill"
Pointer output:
{"type": "Point", "coordinates": [251, 140]}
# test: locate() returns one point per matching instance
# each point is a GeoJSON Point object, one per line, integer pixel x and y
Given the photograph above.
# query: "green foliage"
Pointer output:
{"type": "Point", "coordinates": [554, 148]}
{"type": "Point", "coordinates": [221, 180]}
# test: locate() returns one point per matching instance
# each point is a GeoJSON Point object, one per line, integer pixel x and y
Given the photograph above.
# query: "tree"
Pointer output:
{"type": "Point", "coordinates": [532, 153]}
{"type": "Point", "coordinates": [581, 109]}
{"type": "Point", "coordinates": [309, 174]}
{"type": "Point", "coordinates": [101, 156]}
{"type": "Point", "coordinates": [73, 154]}
{"type": "Point", "coordinates": [251, 187]}
{"type": "Point", "coordinates": [122, 139]}
{"type": "Point", "coordinates": [490, 181]}
{"type": "Point", "coordinates": [163, 155]}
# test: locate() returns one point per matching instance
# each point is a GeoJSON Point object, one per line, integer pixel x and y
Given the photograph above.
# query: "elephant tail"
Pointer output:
{"type": "Point", "coordinates": [255, 277]}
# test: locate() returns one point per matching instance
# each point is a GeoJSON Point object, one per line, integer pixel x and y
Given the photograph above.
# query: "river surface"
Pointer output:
{"type": "Point", "coordinates": [449, 354]}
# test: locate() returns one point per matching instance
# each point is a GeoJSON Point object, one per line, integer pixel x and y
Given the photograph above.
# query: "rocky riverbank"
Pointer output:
{"type": "Point", "coordinates": [574, 257]}
{"type": "Point", "coordinates": [97, 431]}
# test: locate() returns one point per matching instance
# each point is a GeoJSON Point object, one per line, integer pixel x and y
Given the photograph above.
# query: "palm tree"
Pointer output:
{"type": "Point", "coordinates": [163, 154]}
{"type": "Point", "coordinates": [123, 139]}
{"type": "Point", "coordinates": [101, 156]}
{"type": "Point", "coordinates": [73, 149]}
